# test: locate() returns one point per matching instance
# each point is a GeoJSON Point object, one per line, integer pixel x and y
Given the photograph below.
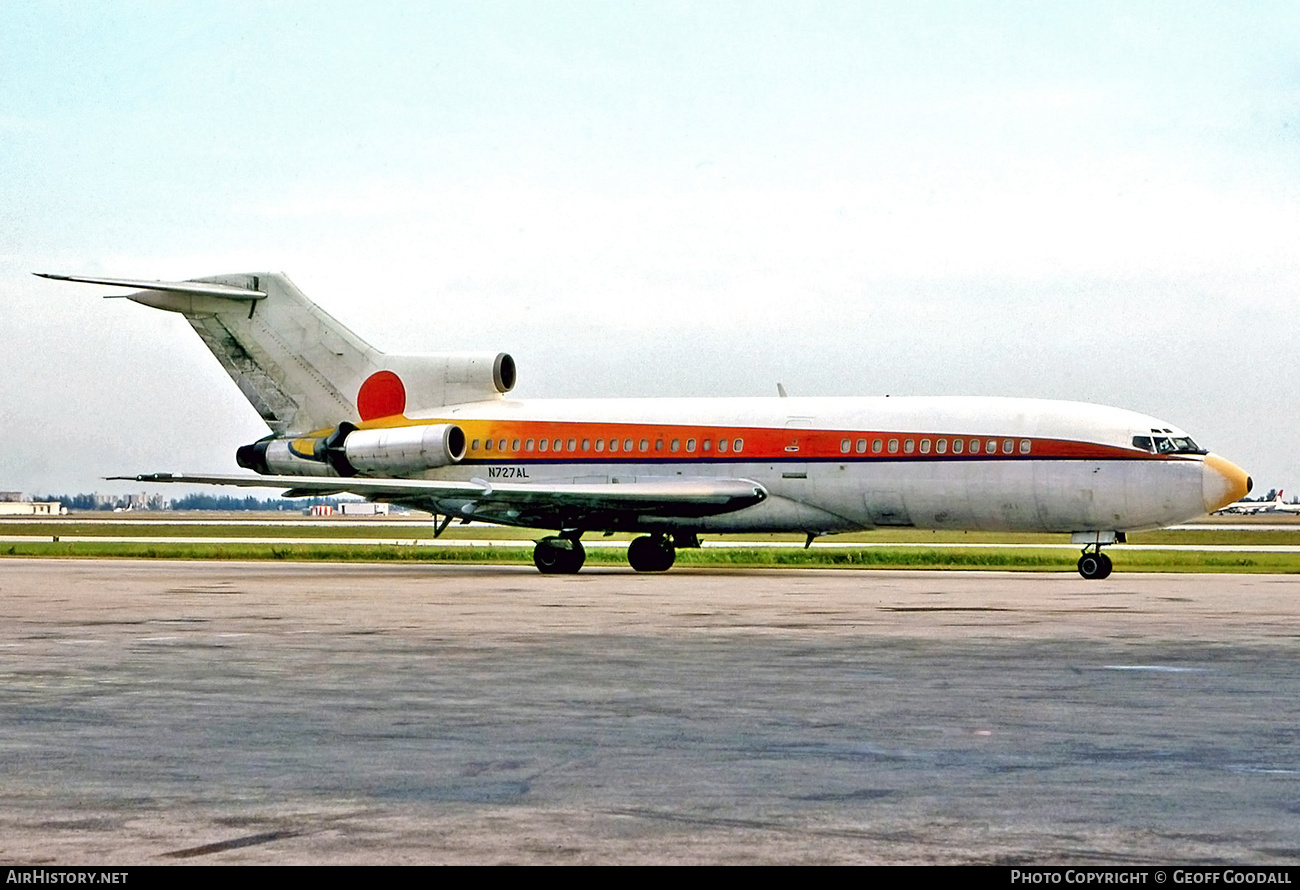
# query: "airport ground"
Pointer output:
{"type": "Point", "coordinates": [1253, 544]}
{"type": "Point", "coordinates": [226, 712]}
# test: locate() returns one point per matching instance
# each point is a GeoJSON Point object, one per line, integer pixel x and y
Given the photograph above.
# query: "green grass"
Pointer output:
{"type": "Point", "coordinates": [917, 557]}
{"type": "Point", "coordinates": [385, 530]}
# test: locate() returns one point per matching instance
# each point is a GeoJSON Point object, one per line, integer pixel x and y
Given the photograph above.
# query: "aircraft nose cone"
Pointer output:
{"type": "Point", "coordinates": [1222, 482]}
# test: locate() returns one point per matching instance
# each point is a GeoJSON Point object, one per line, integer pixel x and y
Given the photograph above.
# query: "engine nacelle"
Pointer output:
{"type": "Point", "coordinates": [403, 449]}
{"type": "Point", "coordinates": [348, 451]}
{"type": "Point", "coordinates": [432, 381]}
{"type": "Point", "coordinates": [286, 457]}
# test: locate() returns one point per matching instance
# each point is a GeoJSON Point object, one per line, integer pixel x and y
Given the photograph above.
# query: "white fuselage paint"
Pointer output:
{"type": "Point", "coordinates": [814, 491]}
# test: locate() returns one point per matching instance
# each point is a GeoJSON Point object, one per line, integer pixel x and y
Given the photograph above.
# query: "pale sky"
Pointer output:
{"type": "Point", "coordinates": [1088, 201]}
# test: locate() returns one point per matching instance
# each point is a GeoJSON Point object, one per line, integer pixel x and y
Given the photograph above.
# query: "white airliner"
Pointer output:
{"type": "Point", "coordinates": [437, 432]}
{"type": "Point", "coordinates": [1277, 505]}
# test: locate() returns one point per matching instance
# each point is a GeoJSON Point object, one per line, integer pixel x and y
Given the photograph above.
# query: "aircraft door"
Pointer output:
{"type": "Point", "coordinates": [792, 468]}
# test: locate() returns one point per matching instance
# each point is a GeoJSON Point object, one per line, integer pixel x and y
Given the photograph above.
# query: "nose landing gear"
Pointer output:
{"type": "Point", "coordinates": [1094, 565]}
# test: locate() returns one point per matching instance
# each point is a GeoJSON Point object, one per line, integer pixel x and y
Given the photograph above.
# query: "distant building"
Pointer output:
{"type": "Point", "coordinates": [30, 508]}
{"type": "Point", "coordinates": [363, 508]}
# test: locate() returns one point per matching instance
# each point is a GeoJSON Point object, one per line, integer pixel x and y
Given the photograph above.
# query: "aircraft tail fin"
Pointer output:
{"type": "Point", "coordinates": [300, 367]}
{"type": "Point", "coordinates": [295, 363]}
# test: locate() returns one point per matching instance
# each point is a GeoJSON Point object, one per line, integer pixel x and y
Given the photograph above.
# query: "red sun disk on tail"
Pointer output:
{"type": "Point", "coordinates": [382, 395]}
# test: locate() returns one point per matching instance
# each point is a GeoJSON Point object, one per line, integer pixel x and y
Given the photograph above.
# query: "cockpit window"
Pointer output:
{"type": "Point", "coordinates": [1167, 444]}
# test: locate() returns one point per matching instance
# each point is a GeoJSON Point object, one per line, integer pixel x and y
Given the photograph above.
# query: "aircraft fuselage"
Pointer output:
{"type": "Point", "coordinates": [843, 464]}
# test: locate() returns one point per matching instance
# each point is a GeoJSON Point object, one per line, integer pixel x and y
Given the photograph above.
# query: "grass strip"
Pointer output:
{"type": "Point", "coordinates": [921, 557]}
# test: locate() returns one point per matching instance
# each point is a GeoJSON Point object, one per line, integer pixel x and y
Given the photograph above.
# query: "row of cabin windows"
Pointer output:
{"type": "Point", "coordinates": [940, 446]}
{"type": "Point", "coordinates": [611, 445]}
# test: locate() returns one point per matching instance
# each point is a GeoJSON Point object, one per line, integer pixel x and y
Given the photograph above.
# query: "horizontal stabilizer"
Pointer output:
{"type": "Point", "coordinates": [194, 288]}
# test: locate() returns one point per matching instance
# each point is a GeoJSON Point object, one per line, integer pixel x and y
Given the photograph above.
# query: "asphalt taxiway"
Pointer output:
{"type": "Point", "coordinates": [257, 712]}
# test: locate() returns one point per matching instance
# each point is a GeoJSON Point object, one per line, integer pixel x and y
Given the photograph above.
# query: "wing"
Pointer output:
{"type": "Point", "coordinates": [599, 505]}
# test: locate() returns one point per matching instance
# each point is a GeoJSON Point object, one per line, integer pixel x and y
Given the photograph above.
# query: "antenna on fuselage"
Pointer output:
{"type": "Point", "coordinates": [780, 391]}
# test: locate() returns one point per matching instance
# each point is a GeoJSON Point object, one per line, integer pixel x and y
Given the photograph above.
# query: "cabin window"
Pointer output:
{"type": "Point", "coordinates": [707, 444]}
{"type": "Point", "coordinates": [845, 445]}
{"type": "Point", "coordinates": [1008, 446]}
{"type": "Point", "coordinates": [893, 446]}
{"type": "Point", "coordinates": [627, 445]}
{"type": "Point", "coordinates": [487, 446]}
{"type": "Point", "coordinates": [474, 447]}
{"type": "Point", "coordinates": [586, 444]}
{"type": "Point", "coordinates": [600, 444]}
{"type": "Point", "coordinates": [645, 444]}
{"type": "Point", "coordinates": [557, 445]}
{"type": "Point", "coordinates": [613, 444]}
{"type": "Point", "coordinates": [528, 445]}
{"type": "Point", "coordinates": [941, 446]}
{"type": "Point", "coordinates": [543, 444]}
{"type": "Point", "coordinates": [1024, 446]}
{"type": "Point", "coordinates": [722, 445]}
{"type": "Point", "coordinates": [659, 444]}
{"type": "Point", "coordinates": [958, 446]}
{"type": "Point", "coordinates": [690, 444]}
{"type": "Point", "coordinates": [675, 445]}
{"type": "Point", "coordinates": [925, 446]}
{"type": "Point", "coordinates": [876, 445]}
{"type": "Point", "coordinates": [738, 445]}
{"type": "Point", "coordinates": [573, 444]}
{"type": "Point", "coordinates": [908, 446]}
{"type": "Point", "coordinates": [862, 446]}
{"type": "Point", "coordinates": [514, 446]}
{"type": "Point", "coordinates": [974, 446]}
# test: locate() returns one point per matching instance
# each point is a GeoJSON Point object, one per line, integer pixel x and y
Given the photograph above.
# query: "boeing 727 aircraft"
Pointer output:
{"type": "Point", "coordinates": [437, 432]}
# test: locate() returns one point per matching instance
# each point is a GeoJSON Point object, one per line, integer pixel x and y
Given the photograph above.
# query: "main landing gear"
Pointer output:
{"type": "Point", "coordinates": [559, 555]}
{"type": "Point", "coordinates": [651, 553]}
{"type": "Point", "coordinates": [564, 554]}
{"type": "Point", "coordinates": [1094, 565]}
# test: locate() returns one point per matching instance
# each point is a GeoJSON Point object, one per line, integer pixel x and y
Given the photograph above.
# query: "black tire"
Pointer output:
{"type": "Point", "coordinates": [1094, 566]}
{"type": "Point", "coordinates": [551, 558]}
{"type": "Point", "coordinates": [1106, 566]}
{"type": "Point", "coordinates": [651, 554]}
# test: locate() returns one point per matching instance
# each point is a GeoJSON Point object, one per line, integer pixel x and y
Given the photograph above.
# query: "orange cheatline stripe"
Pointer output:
{"type": "Point", "coordinates": [758, 443]}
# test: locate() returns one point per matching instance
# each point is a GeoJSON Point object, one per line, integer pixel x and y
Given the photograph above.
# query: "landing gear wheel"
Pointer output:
{"type": "Point", "coordinates": [558, 556]}
{"type": "Point", "coordinates": [651, 554]}
{"type": "Point", "coordinates": [1095, 566]}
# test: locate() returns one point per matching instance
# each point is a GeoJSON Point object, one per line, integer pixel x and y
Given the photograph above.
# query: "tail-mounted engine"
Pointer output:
{"type": "Point", "coordinates": [348, 451]}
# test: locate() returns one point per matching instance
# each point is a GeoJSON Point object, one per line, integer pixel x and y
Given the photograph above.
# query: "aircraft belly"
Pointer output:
{"type": "Point", "coordinates": [988, 495]}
